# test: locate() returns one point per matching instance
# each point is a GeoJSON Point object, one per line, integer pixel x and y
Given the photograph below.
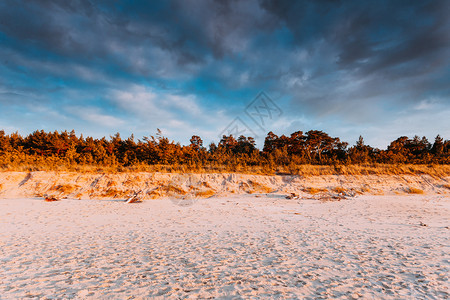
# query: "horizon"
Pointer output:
{"type": "Point", "coordinates": [350, 69]}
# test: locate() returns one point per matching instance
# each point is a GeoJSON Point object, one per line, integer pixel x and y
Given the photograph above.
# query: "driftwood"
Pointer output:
{"type": "Point", "coordinates": [292, 196]}
{"type": "Point", "coordinates": [51, 198]}
{"type": "Point", "coordinates": [325, 196]}
{"type": "Point", "coordinates": [329, 196]}
{"type": "Point", "coordinates": [135, 198]}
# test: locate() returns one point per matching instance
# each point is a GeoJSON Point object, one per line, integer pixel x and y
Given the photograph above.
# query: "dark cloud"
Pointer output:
{"type": "Point", "coordinates": [325, 56]}
{"type": "Point", "coordinates": [379, 40]}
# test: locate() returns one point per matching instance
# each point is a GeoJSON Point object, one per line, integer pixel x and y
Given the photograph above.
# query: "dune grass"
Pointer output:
{"type": "Point", "coordinates": [173, 189]}
{"type": "Point", "coordinates": [64, 189]}
{"type": "Point", "coordinates": [412, 190]}
{"type": "Point", "coordinates": [112, 192]}
{"type": "Point", "coordinates": [306, 170]}
{"type": "Point", "coordinates": [259, 187]}
{"type": "Point", "coordinates": [313, 190]}
{"type": "Point", "coordinates": [205, 193]}
{"type": "Point", "coordinates": [339, 190]}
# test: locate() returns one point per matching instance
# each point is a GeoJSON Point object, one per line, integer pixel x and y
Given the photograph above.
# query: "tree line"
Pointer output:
{"type": "Point", "coordinates": [44, 149]}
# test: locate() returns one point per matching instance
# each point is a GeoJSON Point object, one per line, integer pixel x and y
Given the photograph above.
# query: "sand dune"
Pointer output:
{"type": "Point", "coordinates": [156, 185]}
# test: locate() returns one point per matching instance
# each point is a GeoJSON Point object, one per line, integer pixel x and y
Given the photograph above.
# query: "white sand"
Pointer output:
{"type": "Point", "coordinates": [230, 247]}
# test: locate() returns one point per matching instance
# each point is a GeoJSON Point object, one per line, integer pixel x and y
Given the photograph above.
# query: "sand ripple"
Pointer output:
{"type": "Point", "coordinates": [242, 247]}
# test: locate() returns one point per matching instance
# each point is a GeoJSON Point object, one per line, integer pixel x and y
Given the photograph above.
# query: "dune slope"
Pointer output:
{"type": "Point", "coordinates": [156, 185]}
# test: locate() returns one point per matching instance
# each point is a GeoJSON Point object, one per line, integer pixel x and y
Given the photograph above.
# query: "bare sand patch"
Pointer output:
{"type": "Point", "coordinates": [243, 246]}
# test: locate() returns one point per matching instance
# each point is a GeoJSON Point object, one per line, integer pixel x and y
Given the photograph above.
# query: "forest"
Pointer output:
{"type": "Point", "coordinates": [65, 151]}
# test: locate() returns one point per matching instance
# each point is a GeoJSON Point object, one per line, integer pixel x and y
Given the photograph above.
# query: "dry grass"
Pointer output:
{"type": "Point", "coordinates": [244, 186]}
{"type": "Point", "coordinates": [111, 183]}
{"type": "Point", "coordinates": [129, 181]}
{"type": "Point", "coordinates": [339, 190]}
{"type": "Point", "coordinates": [132, 179]}
{"type": "Point", "coordinates": [167, 190]}
{"type": "Point", "coordinates": [114, 193]}
{"type": "Point", "coordinates": [1, 186]}
{"type": "Point", "coordinates": [377, 192]}
{"type": "Point", "coordinates": [205, 193]}
{"type": "Point", "coordinates": [51, 199]}
{"type": "Point", "coordinates": [259, 187]}
{"type": "Point", "coordinates": [206, 184]}
{"type": "Point", "coordinates": [447, 186]}
{"type": "Point", "coordinates": [156, 193]}
{"type": "Point", "coordinates": [64, 188]}
{"type": "Point", "coordinates": [173, 189]}
{"type": "Point", "coordinates": [412, 190]}
{"type": "Point", "coordinates": [362, 190]}
{"type": "Point", "coordinates": [434, 170]}
{"type": "Point", "coordinates": [313, 191]}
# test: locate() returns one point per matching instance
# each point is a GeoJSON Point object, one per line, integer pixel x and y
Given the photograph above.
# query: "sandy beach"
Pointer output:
{"type": "Point", "coordinates": [233, 247]}
{"type": "Point", "coordinates": [250, 149]}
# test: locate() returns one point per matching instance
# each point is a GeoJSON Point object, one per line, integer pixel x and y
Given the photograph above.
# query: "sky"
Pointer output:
{"type": "Point", "coordinates": [379, 69]}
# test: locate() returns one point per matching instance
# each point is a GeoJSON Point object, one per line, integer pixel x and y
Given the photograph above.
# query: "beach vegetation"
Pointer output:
{"type": "Point", "coordinates": [412, 190]}
{"type": "Point", "coordinates": [313, 190]}
{"type": "Point", "coordinates": [307, 154]}
{"type": "Point", "coordinates": [205, 193]}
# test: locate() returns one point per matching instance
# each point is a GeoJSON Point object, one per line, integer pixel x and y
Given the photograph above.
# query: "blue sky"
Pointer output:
{"type": "Point", "coordinates": [379, 69]}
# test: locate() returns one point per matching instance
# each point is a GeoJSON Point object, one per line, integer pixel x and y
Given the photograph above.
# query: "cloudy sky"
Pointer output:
{"type": "Point", "coordinates": [379, 69]}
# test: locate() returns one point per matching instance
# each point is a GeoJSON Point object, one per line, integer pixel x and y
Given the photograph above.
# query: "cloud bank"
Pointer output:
{"type": "Point", "coordinates": [380, 69]}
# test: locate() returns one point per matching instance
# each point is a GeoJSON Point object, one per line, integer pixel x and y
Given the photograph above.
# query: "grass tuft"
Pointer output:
{"type": "Point", "coordinates": [412, 190]}
{"type": "Point", "coordinates": [205, 194]}
{"type": "Point", "coordinates": [111, 183]}
{"type": "Point", "coordinates": [154, 194]}
{"type": "Point", "coordinates": [339, 190]}
{"type": "Point", "coordinates": [173, 189]}
{"type": "Point", "coordinates": [114, 193]}
{"type": "Point", "coordinates": [259, 187]}
{"type": "Point", "coordinates": [64, 188]}
{"type": "Point", "coordinates": [313, 190]}
{"type": "Point", "coordinates": [362, 190]}
{"type": "Point", "coordinates": [206, 184]}
{"type": "Point", "coordinates": [51, 199]}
